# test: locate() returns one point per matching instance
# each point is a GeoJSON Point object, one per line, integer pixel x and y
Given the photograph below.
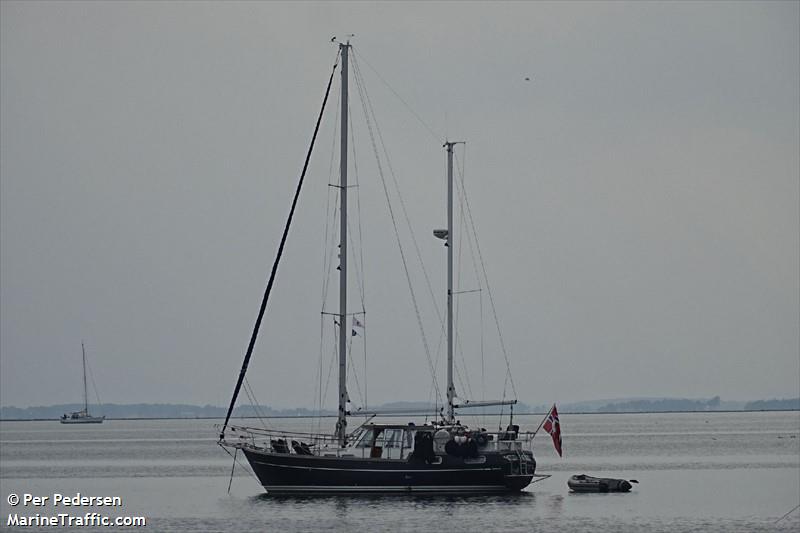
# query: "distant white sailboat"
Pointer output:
{"type": "Point", "coordinates": [83, 416]}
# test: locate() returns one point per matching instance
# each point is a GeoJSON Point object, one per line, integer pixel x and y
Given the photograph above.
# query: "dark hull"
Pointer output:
{"type": "Point", "coordinates": [292, 474]}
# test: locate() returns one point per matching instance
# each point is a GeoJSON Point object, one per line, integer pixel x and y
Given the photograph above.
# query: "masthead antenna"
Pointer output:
{"type": "Point", "coordinates": [347, 37]}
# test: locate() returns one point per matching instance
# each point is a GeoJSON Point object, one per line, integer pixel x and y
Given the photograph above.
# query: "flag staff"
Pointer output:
{"type": "Point", "coordinates": [543, 420]}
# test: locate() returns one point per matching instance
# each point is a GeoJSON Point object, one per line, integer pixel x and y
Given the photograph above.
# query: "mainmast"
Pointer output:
{"type": "Point", "coordinates": [341, 424]}
{"type": "Point", "coordinates": [85, 390]}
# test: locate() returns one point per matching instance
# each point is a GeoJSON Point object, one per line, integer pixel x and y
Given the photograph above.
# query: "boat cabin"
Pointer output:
{"type": "Point", "coordinates": [398, 441]}
{"type": "Point", "coordinates": [386, 441]}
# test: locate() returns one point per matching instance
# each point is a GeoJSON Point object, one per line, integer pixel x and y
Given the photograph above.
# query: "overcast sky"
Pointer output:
{"type": "Point", "coordinates": [636, 201]}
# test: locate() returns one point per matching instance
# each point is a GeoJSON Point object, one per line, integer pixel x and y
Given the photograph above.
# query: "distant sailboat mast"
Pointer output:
{"type": "Point", "coordinates": [83, 417]}
{"type": "Point", "coordinates": [85, 389]}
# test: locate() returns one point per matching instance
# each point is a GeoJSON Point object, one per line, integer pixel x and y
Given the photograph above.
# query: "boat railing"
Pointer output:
{"type": "Point", "coordinates": [503, 445]}
{"type": "Point", "coordinates": [264, 437]}
{"type": "Point", "coordinates": [319, 443]}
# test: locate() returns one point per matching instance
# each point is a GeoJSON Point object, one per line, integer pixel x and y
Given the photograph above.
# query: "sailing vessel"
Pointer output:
{"type": "Point", "coordinates": [82, 416]}
{"type": "Point", "coordinates": [440, 456]}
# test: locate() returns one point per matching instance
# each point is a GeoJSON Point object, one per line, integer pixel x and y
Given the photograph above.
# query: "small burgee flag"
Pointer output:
{"type": "Point", "coordinates": [553, 426]}
{"type": "Point", "coordinates": [356, 324]}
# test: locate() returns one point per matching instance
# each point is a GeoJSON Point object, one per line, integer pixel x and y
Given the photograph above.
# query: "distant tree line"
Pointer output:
{"type": "Point", "coordinates": [169, 410]}
{"type": "Point", "coordinates": [661, 406]}
{"type": "Point", "coordinates": [792, 404]}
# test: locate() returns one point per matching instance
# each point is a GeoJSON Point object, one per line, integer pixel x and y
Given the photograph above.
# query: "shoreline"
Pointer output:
{"type": "Point", "coordinates": [407, 415]}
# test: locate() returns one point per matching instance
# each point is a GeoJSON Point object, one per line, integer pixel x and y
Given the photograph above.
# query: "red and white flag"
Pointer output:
{"type": "Point", "coordinates": [553, 426]}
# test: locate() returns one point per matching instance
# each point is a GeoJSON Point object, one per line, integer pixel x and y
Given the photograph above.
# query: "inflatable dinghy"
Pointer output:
{"type": "Point", "coordinates": [584, 483]}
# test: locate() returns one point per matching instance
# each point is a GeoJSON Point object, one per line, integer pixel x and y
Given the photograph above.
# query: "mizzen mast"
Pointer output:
{"type": "Point", "coordinates": [447, 235]}
{"type": "Point", "coordinates": [451, 390]}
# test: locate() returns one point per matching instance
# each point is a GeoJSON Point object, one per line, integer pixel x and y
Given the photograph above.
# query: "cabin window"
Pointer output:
{"type": "Point", "coordinates": [390, 438]}
{"type": "Point", "coordinates": [365, 439]}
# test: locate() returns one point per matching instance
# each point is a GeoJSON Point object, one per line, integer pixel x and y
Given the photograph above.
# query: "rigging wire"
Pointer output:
{"type": "Point", "coordinates": [233, 467]}
{"type": "Point", "coordinates": [509, 377]}
{"type": "Point", "coordinates": [481, 279]}
{"type": "Point", "coordinates": [328, 249]}
{"type": "Point", "coordinates": [796, 507]}
{"type": "Point", "coordinates": [358, 271]}
{"type": "Point", "coordinates": [466, 384]}
{"type": "Point", "coordinates": [369, 111]}
{"type": "Point", "coordinates": [436, 136]}
{"type": "Point", "coordinates": [402, 203]}
{"type": "Point", "coordinates": [463, 170]}
{"type": "Point", "coordinates": [94, 386]}
{"type": "Point", "coordinates": [461, 191]}
{"type": "Point", "coordinates": [463, 375]}
{"type": "Point", "coordinates": [463, 378]}
{"type": "Point", "coordinates": [428, 284]}
{"type": "Point", "coordinates": [480, 327]}
{"type": "Point", "coordinates": [334, 357]}
{"type": "Point", "coordinates": [236, 461]}
{"type": "Point", "coordinates": [360, 275]}
{"type": "Point", "coordinates": [275, 264]}
{"type": "Point", "coordinates": [462, 194]}
{"type": "Point", "coordinates": [331, 209]}
{"type": "Point", "coordinates": [251, 395]}
{"type": "Point", "coordinates": [465, 207]}
{"type": "Point", "coordinates": [353, 369]}
{"type": "Point", "coordinates": [358, 266]}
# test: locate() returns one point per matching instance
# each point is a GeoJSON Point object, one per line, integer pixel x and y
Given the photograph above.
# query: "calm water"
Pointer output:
{"type": "Point", "coordinates": [697, 472]}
